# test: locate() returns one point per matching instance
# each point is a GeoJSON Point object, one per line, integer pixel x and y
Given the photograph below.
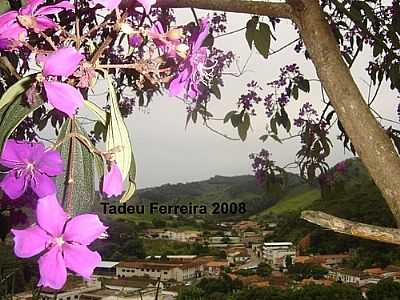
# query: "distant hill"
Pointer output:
{"type": "Point", "coordinates": [220, 189]}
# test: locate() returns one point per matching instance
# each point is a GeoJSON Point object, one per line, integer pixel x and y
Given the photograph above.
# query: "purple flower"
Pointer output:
{"type": "Point", "coordinates": [62, 62]}
{"type": "Point", "coordinates": [341, 167]}
{"type": "Point", "coordinates": [14, 25]}
{"type": "Point", "coordinates": [112, 183]}
{"type": "Point", "coordinates": [62, 241]}
{"type": "Point", "coordinates": [194, 70]}
{"type": "Point", "coordinates": [31, 166]}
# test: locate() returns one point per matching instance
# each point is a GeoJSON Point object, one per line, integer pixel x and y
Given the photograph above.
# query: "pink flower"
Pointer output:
{"type": "Point", "coordinates": [62, 62]}
{"type": "Point", "coordinates": [61, 240]}
{"type": "Point", "coordinates": [14, 25]}
{"type": "Point", "coordinates": [31, 166]}
{"type": "Point", "coordinates": [112, 182]}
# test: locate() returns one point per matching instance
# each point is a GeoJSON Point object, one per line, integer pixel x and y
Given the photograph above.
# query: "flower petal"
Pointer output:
{"type": "Point", "coordinates": [14, 186]}
{"type": "Point", "coordinates": [91, 225]}
{"type": "Point", "coordinates": [54, 9]}
{"type": "Point", "coordinates": [30, 7]}
{"type": "Point", "coordinates": [203, 33]}
{"type": "Point", "coordinates": [63, 96]}
{"type": "Point", "coordinates": [62, 62]}
{"type": "Point", "coordinates": [50, 216]}
{"type": "Point", "coordinates": [13, 31]}
{"type": "Point", "coordinates": [53, 273]}
{"type": "Point", "coordinates": [113, 183]}
{"type": "Point", "coordinates": [51, 163]}
{"type": "Point", "coordinates": [43, 185]}
{"type": "Point", "coordinates": [30, 241]}
{"type": "Point", "coordinates": [11, 153]}
{"type": "Point", "coordinates": [109, 4]}
{"type": "Point", "coordinates": [80, 259]}
{"type": "Point", "coordinates": [178, 84]}
{"type": "Point", "coordinates": [7, 18]}
{"type": "Point", "coordinates": [43, 23]}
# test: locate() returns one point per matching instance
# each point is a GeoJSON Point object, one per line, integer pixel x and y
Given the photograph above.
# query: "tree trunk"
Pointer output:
{"type": "Point", "coordinates": [369, 139]}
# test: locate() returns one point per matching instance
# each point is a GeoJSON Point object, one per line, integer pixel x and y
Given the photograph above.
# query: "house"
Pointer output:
{"type": "Point", "coordinates": [73, 289]}
{"type": "Point", "coordinates": [164, 270]}
{"type": "Point", "coordinates": [237, 255]}
{"type": "Point", "coordinates": [215, 268]}
{"type": "Point", "coordinates": [327, 261]}
{"type": "Point", "coordinates": [255, 281]}
{"type": "Point", "coordinates": [354, 277]}
{"type": "Point", "coordinates": [275, 253]}
{"type": "Point", "coordinates": [174, 235]}
{"type": "Point", "coordinates": [308, 281]}
{"type": "Point", "coordinates": [106, 269]}
{"type": "Point", "coordinates": [246, 225]}
{"type": "Point", "coordinates": [174, 257]}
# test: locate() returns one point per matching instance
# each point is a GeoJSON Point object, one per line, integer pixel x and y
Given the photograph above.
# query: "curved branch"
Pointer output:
{"type": "Point", "coordinates": [361, 230]}
{"type": "Point", "coordinates": [256, 7]}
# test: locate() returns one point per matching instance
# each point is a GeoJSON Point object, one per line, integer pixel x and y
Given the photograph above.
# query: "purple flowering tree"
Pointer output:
{"type": "Point", "coordinates": [55, 53]}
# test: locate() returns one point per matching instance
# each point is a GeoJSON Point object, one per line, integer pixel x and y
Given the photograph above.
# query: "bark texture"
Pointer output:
{"type": "Point", "coordinates": [361, 230]}
{"type": "Point", "coordinates": [369, 139]}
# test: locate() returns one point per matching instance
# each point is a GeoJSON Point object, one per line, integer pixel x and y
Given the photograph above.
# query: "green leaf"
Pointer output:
{"type": "Point", "coordinates": [295, 91]}
{"type": "Point", "coordinates": [229, 115]}
{"type": "Point", "coordinates": [276, 138]}
{"type": "Point", "coordinates": [216, 91]}
{"type": "Point", "coordinates": [4, 6]}
{"type": "Point", "coordinates": [117, 139]}
{"type": "Point", "coordinates": [131, 182]}
{"type": "Point", "coordinates": [262, 39]}
{"type": "Point", "coordinates": [303, 84]}
{"type": "Point", "coordinates": [244, 127]}
{"type": "Point", "coordinates": [273, 126]}
{"type": "Point", "coordinates": [235, 120]}
{"type": "Point", "coordinates": [264, 137]}
{"type": "Point", "coordinates": [13, 115]}
{"type": "Point", "coordinates": [79, 195]}
{"type": "Point", "coordinates": [251, 28]}
{"type": "Point", "coordinates": [98, 111]}
{"type": "Point", "coordinates": [15, 90]}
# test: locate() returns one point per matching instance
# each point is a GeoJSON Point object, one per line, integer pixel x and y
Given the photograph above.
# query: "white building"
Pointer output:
{"type": "Point", "coordinates": [71, 291]}
{"type": "Point", "coordinates": [275, 254]}
{"type": "Point", "coordinates": [164, 270]}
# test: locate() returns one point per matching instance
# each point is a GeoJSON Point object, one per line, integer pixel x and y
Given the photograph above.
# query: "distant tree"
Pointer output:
{"type": "Point", "coordinates": [386, 289]}
{"type": "Point", "coordinates": [159, 223]}
{"type": "Point", "coordinates": [264, 270]}
{"type": "Point", "coordinates": [190, 293]}
{"type": "Point", "coordinates": [134, 248]}
{"type": "Point", "coordinates": [320, 292]}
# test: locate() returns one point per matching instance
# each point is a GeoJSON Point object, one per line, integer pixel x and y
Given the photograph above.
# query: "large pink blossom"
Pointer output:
{"type": "Point", "coordinates": [14, 25]}
{"type": "Point", "coordinates": [61, 241]}
{"type": "Point", "coordinates": [62, 62]}
{"type": "Point", "coordinates": [31, 166]}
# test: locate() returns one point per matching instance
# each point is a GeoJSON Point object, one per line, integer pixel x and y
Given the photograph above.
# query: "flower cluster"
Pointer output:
{"type": "Point", "coordinates": [246, 101]}
{"type": "Point", "coordinates": [307, 113]}
{"type": "Point", "coordinates": [261, 163]}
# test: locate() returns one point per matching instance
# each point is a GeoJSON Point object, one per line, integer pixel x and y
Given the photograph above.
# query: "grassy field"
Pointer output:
{"type": "Point", "coordinates": [160, 247]}
{"type": "Point", "coordinates": [293, 202]}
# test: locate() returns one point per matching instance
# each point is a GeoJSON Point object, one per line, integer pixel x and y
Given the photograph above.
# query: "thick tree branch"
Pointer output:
{"type": "Point", "coordinates": [361, 230]}
{"type": "Point", "coordinates": [369, 139]}
{"type": "Point", "coordinates": [255, 7]}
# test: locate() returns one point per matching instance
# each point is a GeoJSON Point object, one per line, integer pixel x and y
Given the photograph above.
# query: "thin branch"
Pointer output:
{"type": "Point", "coordinates": [230, 32]}
{"type": "Point", "coordinates": [284, 47]}
{"type": "Point", "coordinates": [220, 133]}
{"type": "Point", "coordinates": [360, 230]}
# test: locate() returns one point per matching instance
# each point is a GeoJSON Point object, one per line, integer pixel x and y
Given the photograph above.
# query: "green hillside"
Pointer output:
{"type": "Point", "coordinates": [298, 198]}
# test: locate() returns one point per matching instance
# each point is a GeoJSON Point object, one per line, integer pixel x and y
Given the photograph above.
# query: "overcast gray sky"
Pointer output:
{"type": "Point", "coordinates": [167, 153]}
